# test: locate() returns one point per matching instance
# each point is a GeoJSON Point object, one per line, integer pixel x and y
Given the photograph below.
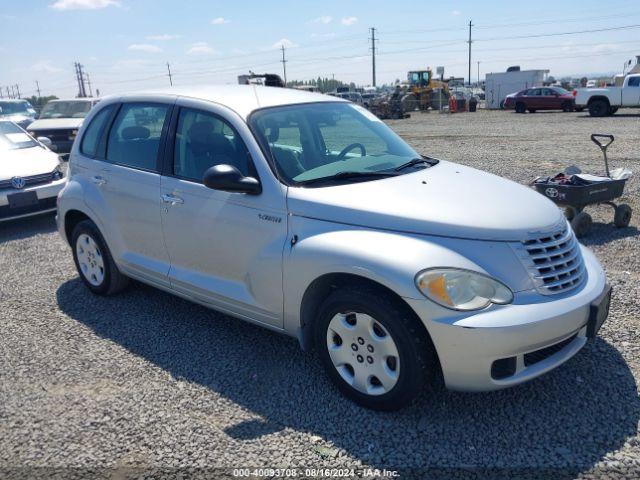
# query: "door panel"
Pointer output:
{"type": "Point", "coordinates": [631, 93]}
{"type": "Point", "coordinates": [125, 189]}
{"type": "Point", "coordinates": [225, 248]}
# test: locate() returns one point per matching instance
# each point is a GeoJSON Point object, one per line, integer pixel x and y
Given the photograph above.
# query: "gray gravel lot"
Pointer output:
{"type": "Point", "coordinates": [145, 380]}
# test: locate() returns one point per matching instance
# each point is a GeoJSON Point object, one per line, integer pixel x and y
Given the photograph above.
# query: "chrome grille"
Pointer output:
{"type": "Point", "coordinates": [31, 180]}
{"type": "Point", "coordinates": [553, 261]}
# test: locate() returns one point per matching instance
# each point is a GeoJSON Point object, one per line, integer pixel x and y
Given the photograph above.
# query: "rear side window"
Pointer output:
{"type": "Point", "coordinates": [134, 139]}
{"type": "Point", "coordinates": [93, 133]}
{"type": "Point", "coordinates": [634, 82]}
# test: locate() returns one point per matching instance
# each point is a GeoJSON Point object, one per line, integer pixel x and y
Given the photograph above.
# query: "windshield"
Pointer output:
{"type": "Point", "coordinates": [12, 137]}
{"type": "Point", "coordinates": [12, 108]}
{"type": "Point", "coordinates": [320, 140]}
{"type": "Point", "coordinates": [71, 109]}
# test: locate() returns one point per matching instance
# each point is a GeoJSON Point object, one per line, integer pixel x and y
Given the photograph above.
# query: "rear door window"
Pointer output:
{"type": "Point", "coordinates": [134, 139]}
{"type": "Point", "coordinates": [634, 82]}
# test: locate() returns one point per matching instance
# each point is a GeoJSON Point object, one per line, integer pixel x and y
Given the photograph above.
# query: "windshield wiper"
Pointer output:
{"type": "Point", "coordinates": [416, 161]}
{"type": "Point", "coordinates": [347, 175]}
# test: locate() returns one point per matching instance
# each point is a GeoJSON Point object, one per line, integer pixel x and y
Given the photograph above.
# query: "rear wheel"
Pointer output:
{"type": "Point", "coordinates": [94, 262]}
{"type": "Point", "coordinates": [579, 109]}
{"type": "Point", "coordinates": [599, 108]}
{"type": "Point", "coordinates": [520, 107]}
{"type": "Point", "coordinates": [622, 216]}
{"type": "Point", "coordinates": [373, 347]}
{"type": "Point", "coordinates": [567, 107]}
{"type": "Point", "coordinates": [581, 224]}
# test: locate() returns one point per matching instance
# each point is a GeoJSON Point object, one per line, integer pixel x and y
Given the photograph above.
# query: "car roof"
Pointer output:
{"type": "Point", "coordinates": [243, 99]}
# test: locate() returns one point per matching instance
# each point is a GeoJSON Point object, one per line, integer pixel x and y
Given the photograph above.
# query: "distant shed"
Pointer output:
{"type": "Point", "coordinates": [499, 85]}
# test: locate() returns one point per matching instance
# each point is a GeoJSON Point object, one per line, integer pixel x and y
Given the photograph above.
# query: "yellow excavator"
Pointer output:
{"type": "Point", "coordinates": [424, 92]}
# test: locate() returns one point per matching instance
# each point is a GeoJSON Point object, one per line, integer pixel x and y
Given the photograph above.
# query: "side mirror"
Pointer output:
{"type": "Point", "coordinates": [46, 142]}
{"type": "Point", "coordinates": [229, 179]}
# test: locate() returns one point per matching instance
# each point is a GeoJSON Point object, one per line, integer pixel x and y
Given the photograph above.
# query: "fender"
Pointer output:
{"type": "Point", "coordinates": [389, 258]}
{"type": "Point", "coordinates": [73, 199]}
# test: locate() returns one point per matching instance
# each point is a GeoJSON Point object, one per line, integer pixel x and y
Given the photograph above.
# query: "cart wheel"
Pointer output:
{"type": "Point", "coordinates": [570, 213]}
{"type": "Point", "coordinates": [622, 216]}
{"type": "Point", "coordinates": [581, 224]}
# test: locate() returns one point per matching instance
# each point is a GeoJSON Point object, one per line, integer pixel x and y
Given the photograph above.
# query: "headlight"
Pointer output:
{"type": "Point", "coordinates": [58, 173]}
{"type": "Point", "coordinates": [462, 289]}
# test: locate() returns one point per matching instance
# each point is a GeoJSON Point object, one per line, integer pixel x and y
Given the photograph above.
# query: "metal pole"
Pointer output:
{"type": "Point", "coordinates": [38, 88]}
{"type": "Point", "coordinates": [284, 66]}
{"type": "Point", "coordinates": [478, 74]}
{"type": "Point", "coordinates": [169, 70]}
{"type": "Point", "coordinates": [373, 56]}
{"type": "Point", "coordinates": [469, 42]}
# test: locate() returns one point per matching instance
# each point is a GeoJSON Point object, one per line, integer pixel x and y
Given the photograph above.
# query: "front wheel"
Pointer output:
{"type": "Point", "coordinates": [581, 224]}
{"type": "Point", "coordinates": [373, 347]}
{"type": "Point", "coordinates": [520, 108]}
{"type": "Point", "coordinates": [622, 216]}
{"type": "Point", "coordinates": [94, 262]}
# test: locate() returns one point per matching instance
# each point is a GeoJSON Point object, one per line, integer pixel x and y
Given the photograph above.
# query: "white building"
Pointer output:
{"type": "Point", "coordinates": [499, 85]}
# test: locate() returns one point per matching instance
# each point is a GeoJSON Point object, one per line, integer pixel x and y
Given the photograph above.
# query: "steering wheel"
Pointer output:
{"type": "Point", "coordinates": [348, 148]}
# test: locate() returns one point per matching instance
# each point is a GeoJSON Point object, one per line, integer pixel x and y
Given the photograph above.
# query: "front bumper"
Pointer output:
{"type": "Point", "coordinates": [46, 193]}
{"type": "Point", "coordinates": [468, 346]}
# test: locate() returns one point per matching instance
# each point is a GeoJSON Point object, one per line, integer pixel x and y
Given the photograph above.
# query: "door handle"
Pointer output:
{"type": "Point", "coordinates": [172, 199]}
{"type": "Point", "coordinates": [98, 180]}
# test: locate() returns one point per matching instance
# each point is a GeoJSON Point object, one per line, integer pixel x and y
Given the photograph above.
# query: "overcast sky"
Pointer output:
{"type": "Point", "coordinates": [125, 44]}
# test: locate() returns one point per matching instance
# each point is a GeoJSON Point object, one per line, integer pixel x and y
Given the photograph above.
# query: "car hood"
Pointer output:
{"type": "Point", "coordinates": [56, 124]}
{"type": "Point", "coordinates": [448, 200]}
{"type": "Point", "coordinates": [25, 162]}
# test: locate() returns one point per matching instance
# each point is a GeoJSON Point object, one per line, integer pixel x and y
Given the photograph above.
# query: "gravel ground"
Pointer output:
{"type": "Point", "coordinates": [143, 384]}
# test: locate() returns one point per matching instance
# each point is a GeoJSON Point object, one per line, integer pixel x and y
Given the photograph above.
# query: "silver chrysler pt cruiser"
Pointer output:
{"type": "Point", "coordinates": [307, 215]}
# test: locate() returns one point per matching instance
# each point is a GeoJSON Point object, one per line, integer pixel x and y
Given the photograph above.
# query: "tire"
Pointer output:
{"type": "Point", "coordinates": [410, 353]}
{"type": "Point", "coordinates": [613, 110]}
{"type": "Point", "coordinates": [622, 216]}
{"type": "Point", "coordinates": [579, 109]}
{"type": "Point", "coordinates": [570, 213]}
{"type": "Point", "coordinates": [581, 224]}
{"type": "Point", "coordinates": [94, 262]}
{"type": "Point", "coordinates": [599, 108]}
{"type": "Point", "coordinates": [520, 107]}
{"type": "Point", "coordinates": [567, 107]}
{"type": "Point", "coordinates": [532, 110]}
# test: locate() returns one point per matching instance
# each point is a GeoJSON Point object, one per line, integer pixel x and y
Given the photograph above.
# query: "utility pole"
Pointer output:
{"type": "Point", "coordinates": [18, 90]}
{"type": "Point", "coordinates": [38, 88]}
{"type": "Point", "coordinates": [470, 42]}
{"type": "Point", "coordinates": [89, 83]}
{"type": "Point", "coordinates": [8, 94]}
{"type": "Point", "coordinates": [373, 56]}
{"type": "Point", "coordinates": [169, 70]}
{"type": "Point", "coordinates": [82, 91]}
{"type": "Point", "coordinates": [284, 66]}
{"type": "Point", "coordinates": [478, 74]}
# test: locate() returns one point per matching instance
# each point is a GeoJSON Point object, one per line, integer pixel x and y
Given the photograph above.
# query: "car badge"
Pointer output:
{"type": "Point", "coordinates": [18, 182]}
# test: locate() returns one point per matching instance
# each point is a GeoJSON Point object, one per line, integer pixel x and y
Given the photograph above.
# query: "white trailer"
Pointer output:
{"type": "Point", "coordinates": [499, 85]}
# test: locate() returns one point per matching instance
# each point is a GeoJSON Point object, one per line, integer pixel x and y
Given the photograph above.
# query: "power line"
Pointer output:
{"type": "Point", "coordinates": [540, 35]}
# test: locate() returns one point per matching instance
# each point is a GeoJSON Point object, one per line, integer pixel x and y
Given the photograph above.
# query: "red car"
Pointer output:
{"type": "Point", "coordinates": [541, 98]}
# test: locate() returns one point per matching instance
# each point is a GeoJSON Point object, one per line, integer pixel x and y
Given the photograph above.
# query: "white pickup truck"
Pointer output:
{"type": "Point", "coordinates": [606, 101]}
